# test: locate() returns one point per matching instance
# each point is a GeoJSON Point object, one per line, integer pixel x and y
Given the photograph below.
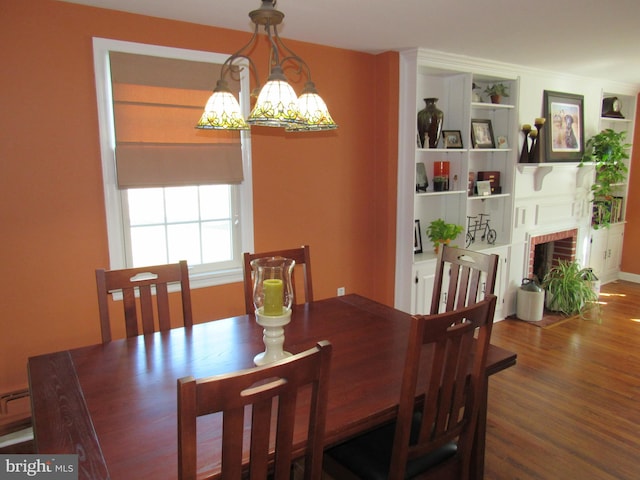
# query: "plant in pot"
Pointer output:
{"type": "Point", "coordinates": [441, 233]}
{"type": "Point", "coordinates": [608, 151]}
{"type": "Point", "coordinates": [569, 288]}
{"type": "Point", "coordinates": [497, 91]}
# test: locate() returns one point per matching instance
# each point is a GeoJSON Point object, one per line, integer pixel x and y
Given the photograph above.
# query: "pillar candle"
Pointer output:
{"type": "Point", "coordinates": [272, 296]}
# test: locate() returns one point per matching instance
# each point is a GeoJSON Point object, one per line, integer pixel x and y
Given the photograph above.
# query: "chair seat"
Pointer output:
{"type": "Point", "coordinates": [369, 456]}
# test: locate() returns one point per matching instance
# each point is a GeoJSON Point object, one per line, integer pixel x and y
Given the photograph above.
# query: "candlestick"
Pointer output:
{"type": "Point", "coordinates": [534, 155]}
{"type": "Point", "coordinates": [524, 155]}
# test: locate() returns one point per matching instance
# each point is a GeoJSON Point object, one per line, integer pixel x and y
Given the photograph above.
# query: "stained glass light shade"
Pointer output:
{"type": "Point", "coordinates": [313, 113]}
{"type": "Point", "coordinates": [277, 103]}
{"type": "Point", "coordinates": [222, 111]}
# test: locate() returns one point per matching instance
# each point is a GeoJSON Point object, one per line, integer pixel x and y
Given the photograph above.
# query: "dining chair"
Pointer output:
{"type": "Point", "coordinates": [16, 427]}
{"type": "Point", "coordinates": [262, 389]}
{"type": "Point", "coordinates": [141, 282]}
{"type": "Point", "coordinates": [302, 257]}
{"type": "Point", "coordinates": [471, 276]}
{"type": "Point", "coordinates": [440, 399]}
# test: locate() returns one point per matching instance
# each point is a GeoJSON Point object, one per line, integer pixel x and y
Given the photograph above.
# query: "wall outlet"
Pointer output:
{"type": "Point", "coordinates": [340, 291]}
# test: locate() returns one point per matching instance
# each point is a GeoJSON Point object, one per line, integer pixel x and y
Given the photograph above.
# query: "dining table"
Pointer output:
{"type": "Point", "coordinates": [115, 404]}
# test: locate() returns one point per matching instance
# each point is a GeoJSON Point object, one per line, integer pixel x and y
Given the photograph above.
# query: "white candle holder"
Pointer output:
{"type": "Point", "coordinates": [273, 336]}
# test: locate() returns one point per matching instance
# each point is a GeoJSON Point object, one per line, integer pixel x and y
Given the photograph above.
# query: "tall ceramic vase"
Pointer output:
{"type": "Point", "coordinates": [430, 124]}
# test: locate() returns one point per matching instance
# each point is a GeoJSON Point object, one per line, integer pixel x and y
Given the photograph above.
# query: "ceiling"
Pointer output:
{"type": "Point", "coordinates": [592, 38]}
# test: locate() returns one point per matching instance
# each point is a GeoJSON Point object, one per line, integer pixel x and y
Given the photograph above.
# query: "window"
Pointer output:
{"type": "Point", "coordinates": [171, 192]}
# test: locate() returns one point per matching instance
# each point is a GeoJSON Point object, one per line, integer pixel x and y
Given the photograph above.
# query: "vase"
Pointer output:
{"type": "Point", "coordinates": [430, 124]}
{"type": "Point", "coordinates": [272, 298]}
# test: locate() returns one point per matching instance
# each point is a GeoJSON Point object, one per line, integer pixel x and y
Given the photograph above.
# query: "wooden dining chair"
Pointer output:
{"type": "Point", "coordinates": [441, 396]}
{"type": "Point", "coordinates": [141, 282]}
{"type": "Point", "coordinates": [467, 276]}
{"type": "Point", "coordinates": [302, 257]}
{"type": "Point", "coordinates": [271, 391]}
{"type": "Point", "coordinates": [16, 427]}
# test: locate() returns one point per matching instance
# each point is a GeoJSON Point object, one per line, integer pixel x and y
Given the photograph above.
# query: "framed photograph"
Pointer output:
{"type": "Point", "coordinates": [417, 238]}
{"type": "Point", "coordinates": [452, 138]}
{"type": "Point", "coordinates": [482, 133]}
{"type": "Point", "coordinates": [563, 132]}
{"type": "Point", "coordinates": [502, 141]}
{"type": "Point", "coordinates": [484, 188]}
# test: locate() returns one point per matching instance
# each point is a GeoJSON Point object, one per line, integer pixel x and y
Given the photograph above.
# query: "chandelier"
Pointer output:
{"type": "Point", "coordinates": [277, 104]}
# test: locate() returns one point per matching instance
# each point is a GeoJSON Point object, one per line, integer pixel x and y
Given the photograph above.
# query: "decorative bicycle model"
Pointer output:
{"type": "Point", "coordinates": [475, 225]}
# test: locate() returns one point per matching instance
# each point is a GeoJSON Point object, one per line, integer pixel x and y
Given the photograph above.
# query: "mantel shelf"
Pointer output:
{"type": "Point", "coordinates": [541, 170]}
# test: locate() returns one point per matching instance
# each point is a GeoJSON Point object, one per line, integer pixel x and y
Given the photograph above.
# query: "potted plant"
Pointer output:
{"type": "Point", "coordinates": [440, 232]}
{"type": "Point", "coordinates": [568, 288]}
{"type": "Point", "coordinates": [608, 151]}
{"type": "Point", "coordinates": [497, 91]}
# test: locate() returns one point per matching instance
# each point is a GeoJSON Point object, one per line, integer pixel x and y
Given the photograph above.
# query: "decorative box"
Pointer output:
{"type": "Point", "coordinates": [493, 178]}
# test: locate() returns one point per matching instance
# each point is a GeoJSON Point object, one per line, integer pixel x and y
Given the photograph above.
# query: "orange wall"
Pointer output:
{"type": "Point", "coordinates": [333, 190]}
{"type": "Point", "coordinates": [630, 259]}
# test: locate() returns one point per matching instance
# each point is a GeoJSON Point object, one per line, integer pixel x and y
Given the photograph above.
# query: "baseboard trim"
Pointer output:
{"type": "Point", "coordinates": [629, 277]}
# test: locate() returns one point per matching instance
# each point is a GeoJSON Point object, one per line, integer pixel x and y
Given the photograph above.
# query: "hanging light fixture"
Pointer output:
{"type": "Point", "coordinates": [277, 104]}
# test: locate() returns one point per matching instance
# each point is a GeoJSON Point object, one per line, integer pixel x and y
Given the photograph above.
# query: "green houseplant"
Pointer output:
{"type": "Point", "coordinates": [441, 232]}
{"type": "Point", "coordinates": [569, 288]}
{"type": "Point", "coordinates": [608, 151]}
{"type": "Point", "coordinates": [497, 91]}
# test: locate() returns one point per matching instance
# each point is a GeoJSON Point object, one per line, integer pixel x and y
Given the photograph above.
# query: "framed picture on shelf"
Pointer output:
{"type": "Point", "coordinates": [452, 138]}
{"type": "Point", "coordinates": [417, 238]}
{"type": "Point", "coordinates": [484, 188]}
{"type": "Point", "coordinates": [563, 133]}
{"type": "Point", "coordinates": [482, 133]}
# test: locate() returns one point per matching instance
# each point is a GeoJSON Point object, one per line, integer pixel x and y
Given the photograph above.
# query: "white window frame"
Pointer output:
{"type": "Point", "coordinates": [112, 195]}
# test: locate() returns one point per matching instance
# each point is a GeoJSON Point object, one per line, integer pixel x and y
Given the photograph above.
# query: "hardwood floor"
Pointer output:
{"type": "Point", "coordinates": [570, 408]}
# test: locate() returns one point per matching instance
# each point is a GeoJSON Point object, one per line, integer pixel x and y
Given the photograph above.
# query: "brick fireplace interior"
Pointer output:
{"type": "Point", "coordinates": [546, 250]}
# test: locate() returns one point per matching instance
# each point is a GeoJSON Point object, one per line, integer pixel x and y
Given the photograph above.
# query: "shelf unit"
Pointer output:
{"type": "Point", "coordinates": [606, 243]}
{"type": "Point", "coordinates": [421, 77]}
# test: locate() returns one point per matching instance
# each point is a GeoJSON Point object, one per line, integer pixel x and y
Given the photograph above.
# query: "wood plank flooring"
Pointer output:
{"type": "Point", "coordinates": [570, 408]}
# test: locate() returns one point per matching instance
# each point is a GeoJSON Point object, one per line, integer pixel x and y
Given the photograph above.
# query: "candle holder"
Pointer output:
{"type": "Point", "coordinates": [524, 155]}
{"type": "Point", "coordinates": [272, 298]}
{"type": "Point", "coordinates": [440, 176]}
{"type": "Point", "coordinates": [534, 154]}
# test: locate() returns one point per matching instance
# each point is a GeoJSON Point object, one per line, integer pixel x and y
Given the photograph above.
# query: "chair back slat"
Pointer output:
{"type": "Point", "coordinates": [146, 283]}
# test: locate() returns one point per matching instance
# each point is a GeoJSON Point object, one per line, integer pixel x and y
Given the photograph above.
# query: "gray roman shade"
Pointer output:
{"type": "Point", "coordinates": [157, 102]}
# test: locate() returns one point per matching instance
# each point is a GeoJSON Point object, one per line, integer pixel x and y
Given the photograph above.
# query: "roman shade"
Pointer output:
{"type": "Point", "coordinates": [156, 103]}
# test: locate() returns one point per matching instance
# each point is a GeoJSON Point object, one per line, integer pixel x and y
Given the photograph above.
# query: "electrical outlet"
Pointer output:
{"type": "Point", "coordinates": [340, 291]}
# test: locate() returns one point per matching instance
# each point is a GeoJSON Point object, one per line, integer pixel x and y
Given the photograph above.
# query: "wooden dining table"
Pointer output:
{"type": "Point", "coordinates": [115, 404]}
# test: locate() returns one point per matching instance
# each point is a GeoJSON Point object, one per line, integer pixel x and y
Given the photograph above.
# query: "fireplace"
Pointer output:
{"type": "Point", "coordinates": [548, 249]}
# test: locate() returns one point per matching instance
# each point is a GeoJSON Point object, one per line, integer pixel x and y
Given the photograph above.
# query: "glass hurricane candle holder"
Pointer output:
{"type": "Point", "coordinates": [272, 298]}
